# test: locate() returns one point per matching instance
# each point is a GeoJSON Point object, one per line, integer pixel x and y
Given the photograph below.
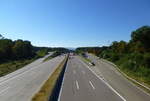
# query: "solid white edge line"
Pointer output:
{"type": "Point", "coordinates": [62, 84]}
{"type": "Point", "coordinates": [92, 85]}
{"type": "Point", "coordinates": [127, 77]}
{"type": "Point", "coordinates": [19, 74]}
{"type": "Point", "coordinates": [104, 81]}
{"type": "Point", "coordinates": [77, 84]}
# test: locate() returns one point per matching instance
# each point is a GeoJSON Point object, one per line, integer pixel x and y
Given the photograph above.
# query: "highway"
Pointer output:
{"type": "Point", "coordinates": [81, 84]}
{"type": "Point", "coordinates": [22, 84]}
{"type": "Point", "coordinates": [123, 86]}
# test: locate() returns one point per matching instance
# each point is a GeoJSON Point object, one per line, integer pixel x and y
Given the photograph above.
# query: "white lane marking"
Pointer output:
{"type": "Point", "coordinates": [19, 74]}
{"type": "Point", "coordinates": [83, 72]}
{"type": "Point", "coordinates": [119, 73]}
{"type": "Point", "coordinates": [74, 72]}
{"type": "Point", "coordinates": [4, 90]}
{"type": "Point", "coordinates": [77, 84]}
{"type": "Point", "coordinates": [92, 85]}
{"type": "Point", "coordinates": [104, 82]}
{"type": "Point", "coordinates": [62, 82]}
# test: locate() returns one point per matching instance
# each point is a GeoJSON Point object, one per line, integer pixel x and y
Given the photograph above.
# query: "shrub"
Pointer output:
{"type": "Point", "coordinates": [147, 60]}
{"type": "Point", "coordinates": [115, 57]}
{"type": "Point", "coordinates": [42, 52]}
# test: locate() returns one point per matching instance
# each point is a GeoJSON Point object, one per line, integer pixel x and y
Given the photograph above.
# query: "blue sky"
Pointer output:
{"type": "Point", "coordinates": [72, 23]}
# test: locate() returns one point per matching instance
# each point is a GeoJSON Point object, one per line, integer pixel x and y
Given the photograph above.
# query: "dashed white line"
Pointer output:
{"type": "Point", "coordinates": [4, 90]}
{"type": "Point", "coordinates": [62, 83]}
{"type": "Point", "coordinates": [77, 84]}
{"type": "Point", "coordinates": [92, 85]}
{"type": "Point", "coordinates": [104, 81]}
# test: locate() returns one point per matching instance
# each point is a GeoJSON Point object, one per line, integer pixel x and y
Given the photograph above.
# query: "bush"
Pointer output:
{"type": "Point", "coordinates": [147, 60]}
{"type": "Point", "coordinates": [42, 52]}
{"type": "Point", "coordinates": [105, 54]}
{"type": "Point", "coordinates": [115, 57]}
{"type": "Point", "coordinates": [137, 58]}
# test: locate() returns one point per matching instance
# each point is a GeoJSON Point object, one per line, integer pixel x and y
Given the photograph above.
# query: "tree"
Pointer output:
{"type": "Point", "coordinates": [27, 49]}
{"type": "Point", "coordinates": [13, 50]}
{"type": "Point", "coordinates": [5, 49]}
{"type": "Point", "coordinates": [142, 36]}
{"type": "Point", "coordinates": [22, 49]}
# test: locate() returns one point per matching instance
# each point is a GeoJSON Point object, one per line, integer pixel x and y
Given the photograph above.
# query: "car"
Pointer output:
{"type": "Point", "coordinates": [92, 63]}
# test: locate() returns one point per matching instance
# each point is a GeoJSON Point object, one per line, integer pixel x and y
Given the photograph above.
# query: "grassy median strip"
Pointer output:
{"type": "Point", "coordinates": [48, 58]}
{"type": "Point", "coordinates": [55, 54]}
{"type": "Point", "coordinates": [47, 88]}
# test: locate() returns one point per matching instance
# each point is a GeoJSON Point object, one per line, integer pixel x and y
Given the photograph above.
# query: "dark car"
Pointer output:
{"type": "Point", "coordinates": [92, 63]}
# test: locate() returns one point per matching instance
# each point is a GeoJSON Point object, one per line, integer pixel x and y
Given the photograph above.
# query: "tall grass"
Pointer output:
{"type": "Point", "coordinates": [134, 66]}
{"type": "Point", "coordinates": [10, 66]}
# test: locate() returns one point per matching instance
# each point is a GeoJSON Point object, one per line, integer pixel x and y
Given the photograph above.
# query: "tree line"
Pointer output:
{"type": "Point", "coordinates": [137, 50]}
{"type": "Point", "coordinates": [132, 57]}
{"type": "Point", "coordinates": [20, 49]}
{"type": "Point", "coordinates": [14, 50]}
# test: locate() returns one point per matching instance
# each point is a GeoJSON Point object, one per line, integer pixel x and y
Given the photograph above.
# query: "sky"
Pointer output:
{"type": "Point", "coordinates": [72, 23]}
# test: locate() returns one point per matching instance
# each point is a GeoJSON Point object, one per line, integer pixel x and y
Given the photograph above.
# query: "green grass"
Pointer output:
{"type": "Point", "coordinates": [47, 88]}
{"type": "Point", "coordinates": [86, 60]}
{"type": "Point", "coordinates": [42, 52]}
{"type": "Point", "coordinates": [55, 54]}
{"type": "Point", "coordinates": [132, 75]}
{"type": "Point", "coordinates": [10, 66]}
{"type": "Point", "coordinates": [140, 74]}
{"type": "Point", "coordinates": [48, 58]}
{"type": "Point", "coordinates": [137, 72]}
{"type": "Point", "coordinates": [133, 65]}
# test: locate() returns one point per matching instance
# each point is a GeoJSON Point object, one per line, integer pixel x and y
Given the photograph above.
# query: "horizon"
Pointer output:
{"type": "Point", "coordinates": [72, 23]}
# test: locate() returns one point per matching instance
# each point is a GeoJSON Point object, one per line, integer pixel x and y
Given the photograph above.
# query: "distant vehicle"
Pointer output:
{"type": "Point", "coordinates": [71, 54]}
{"type": "Point", "coordinates": [92, 63]}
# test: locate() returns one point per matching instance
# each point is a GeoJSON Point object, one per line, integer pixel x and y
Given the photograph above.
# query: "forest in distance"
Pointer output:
{"type": "Point", "coordinates": [20, 49]}
{"type": "Point", "coordinates": [132, 57]}
{"type": "Point", "coordinates": [16, 54]}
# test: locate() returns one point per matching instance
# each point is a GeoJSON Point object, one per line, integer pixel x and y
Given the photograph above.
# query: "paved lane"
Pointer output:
{"type": "Point", "coordinates": [80, 84]}
{"type": "Point", "coordinates": [21, 85]}
{"type": "Point", "coordinates": [119, 82]}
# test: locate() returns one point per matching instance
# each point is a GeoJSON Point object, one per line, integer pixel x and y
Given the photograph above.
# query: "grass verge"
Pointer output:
{"type": "Point", "coordinates": [55, 54]}
{"type": "Point", "coordinates": [85, 59]}
{"type": "Point", "coordinates": [48, 58]}
{"type": "Point", "coordinates": [47, 88]}
{"type": "Point", "coordinates": [11, 66]}
{"type": "Point", "coordinates": [135, 80]}
{"type": "Point", "coordinates": [131, 78]}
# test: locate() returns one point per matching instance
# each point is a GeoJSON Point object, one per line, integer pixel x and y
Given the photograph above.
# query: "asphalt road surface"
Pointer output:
{"type": "Point", "coordinates": [124, 87]}
{"type": "Point", "coordinates": [81, 84]}
{"type": "Point", "coordinates": [22, 84]}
